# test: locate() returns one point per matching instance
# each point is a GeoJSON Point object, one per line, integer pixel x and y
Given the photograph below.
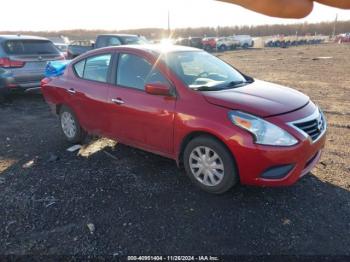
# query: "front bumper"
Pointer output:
{"type": "Point", "coordinates": [254, 161]}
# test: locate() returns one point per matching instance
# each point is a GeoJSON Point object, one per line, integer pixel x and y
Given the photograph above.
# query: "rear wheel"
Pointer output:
{"type": "Point", "coordinates": [210, 165]}
{"type": "Point", "coordinates": [70, 126]}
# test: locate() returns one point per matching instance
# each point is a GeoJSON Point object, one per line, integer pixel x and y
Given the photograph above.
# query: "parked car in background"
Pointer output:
{"type": "Point", "coordinates": [190, 41]}
{"type": "Point", "coordinates": [63, 48]}
{"type": "Point", "coordinates": [226, 43]}
{"type": "Point", "coordinates": [188, 105]}
{"type": "Point", "coordinates": [343, 38]}
{"type": "Point", "coordinates": [23, 60]}
{"type": "Point", "coordinates": [119, 39]}
{"type": "Point", "coordinates": [79, 47]}
{"type": "Point", "coordinates": [245, 41]}
{"type": "Point", "coordinates": [76, 48]}
{"type": "Point", "coordinates": [209, 43]}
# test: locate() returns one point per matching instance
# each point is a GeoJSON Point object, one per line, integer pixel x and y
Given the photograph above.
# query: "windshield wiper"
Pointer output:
{"type": "Point", "coordinates": [237, 83]}
{"type": "Point", "coordinates": [231, 84]}
{"type": "Point", "coordinates": [203, 88]}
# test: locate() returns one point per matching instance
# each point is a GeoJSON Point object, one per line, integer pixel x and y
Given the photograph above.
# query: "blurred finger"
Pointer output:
{"type": "Point", "coordinates": [279, 8]}
{"type": "Point", "coordinates": [336, 3]}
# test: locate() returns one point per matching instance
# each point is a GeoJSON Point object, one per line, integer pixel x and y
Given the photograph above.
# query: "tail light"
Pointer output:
{"type": "Point", "coordinates": [45, 81]}
{"type": "Point", "coordinates": [8, 63]}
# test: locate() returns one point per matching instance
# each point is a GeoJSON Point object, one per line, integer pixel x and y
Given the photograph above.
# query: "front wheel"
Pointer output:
{"type": "Point", "coordinates": [70, 126]}
{"type": "Point", "coordinates": [210, 165]}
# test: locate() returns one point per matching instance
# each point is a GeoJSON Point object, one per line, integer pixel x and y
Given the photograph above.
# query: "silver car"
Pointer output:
{"type": "Point", "coordinates": [23, 60]}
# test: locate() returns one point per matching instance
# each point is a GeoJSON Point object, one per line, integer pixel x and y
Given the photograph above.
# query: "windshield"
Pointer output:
{"type": "Point", "coordinates": [202, 71]}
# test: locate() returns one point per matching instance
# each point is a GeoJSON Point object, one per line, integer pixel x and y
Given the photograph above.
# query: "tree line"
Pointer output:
{"type": "Point", "coordinates": [324, 28]}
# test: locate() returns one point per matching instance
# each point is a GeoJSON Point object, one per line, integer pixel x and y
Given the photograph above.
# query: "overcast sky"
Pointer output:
{"type": "Point", "coordinates": [36, 15]}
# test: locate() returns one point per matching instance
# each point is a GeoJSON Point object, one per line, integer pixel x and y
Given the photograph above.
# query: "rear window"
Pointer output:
{"type": "Point", "coordinates": [29, 47]}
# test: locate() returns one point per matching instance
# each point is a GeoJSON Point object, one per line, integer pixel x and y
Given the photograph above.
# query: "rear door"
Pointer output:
{"type": "Point", "coordinates": [34, 54]}
{"type": "Point", "coordinates": [138, 118]}
{"type": "Point", "coordinates": [88, 91]}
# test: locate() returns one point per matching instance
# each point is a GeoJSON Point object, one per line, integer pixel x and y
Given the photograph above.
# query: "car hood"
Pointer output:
{"type": "Point", "coordinates": [259, 98]}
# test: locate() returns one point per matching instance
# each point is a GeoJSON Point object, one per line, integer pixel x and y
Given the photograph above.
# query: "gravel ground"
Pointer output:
{"type": "Point", "coordinates": [110, 199]}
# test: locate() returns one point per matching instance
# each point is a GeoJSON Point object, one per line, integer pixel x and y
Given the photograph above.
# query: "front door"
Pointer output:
{"type": "Point", "coordinates": [138, 118]}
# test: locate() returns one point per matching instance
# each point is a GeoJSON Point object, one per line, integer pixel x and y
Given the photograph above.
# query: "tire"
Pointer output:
{"type": "Point", "coordinates": [207, 48]}
{"type": "Point", "coordinates": [70, 126]}
{"type": "Point", "coordinates": [223, 169]}
{"type": "Point", "coordinates": [245, 46]}
{"type": "Point", "coordinates": [223, 48]}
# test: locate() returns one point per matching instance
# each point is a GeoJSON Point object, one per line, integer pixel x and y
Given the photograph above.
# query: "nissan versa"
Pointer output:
{"type": "Point", "coordinates": [188, 105]}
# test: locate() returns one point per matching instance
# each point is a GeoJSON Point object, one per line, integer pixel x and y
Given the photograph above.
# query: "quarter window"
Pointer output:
{"type": "Point", "coordinates": [135, 72]}
{"type": "Point", "coordinates": [79, 68]}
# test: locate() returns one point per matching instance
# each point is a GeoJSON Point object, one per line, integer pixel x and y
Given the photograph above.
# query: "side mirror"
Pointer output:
{"type": "Point", "coordinates": [158, 89]}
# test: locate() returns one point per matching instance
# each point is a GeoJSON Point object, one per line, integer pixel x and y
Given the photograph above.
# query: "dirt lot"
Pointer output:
{"type": "Point", "coordinates": [112, 199]}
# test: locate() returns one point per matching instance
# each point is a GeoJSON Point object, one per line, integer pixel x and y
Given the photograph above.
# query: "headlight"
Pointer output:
{"type": "Point", "coordinates": [264, 132]}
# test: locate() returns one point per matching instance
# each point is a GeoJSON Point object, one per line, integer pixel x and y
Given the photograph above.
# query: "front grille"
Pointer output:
{"type": "Point", "coordinates": [314, 128]}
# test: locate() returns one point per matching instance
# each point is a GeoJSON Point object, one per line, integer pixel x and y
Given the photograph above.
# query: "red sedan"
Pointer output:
{"type": "Point", "coordinates": [185, 104]}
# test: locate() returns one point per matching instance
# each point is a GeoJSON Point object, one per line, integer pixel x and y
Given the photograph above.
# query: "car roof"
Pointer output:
{"type": "Point", "coordinates": [153, 48]}
{"type": "Point", "coordinates": [22, 37]}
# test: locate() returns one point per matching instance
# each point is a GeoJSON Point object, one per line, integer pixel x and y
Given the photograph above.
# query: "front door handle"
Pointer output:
{"type": "Point", "coordinates": [71, 90]}
{"type": "Point", "coordinates": [117, 101]}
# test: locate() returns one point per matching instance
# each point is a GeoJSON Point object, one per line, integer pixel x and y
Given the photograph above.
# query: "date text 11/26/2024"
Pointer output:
{"type": "Point", "coordinates": [173, 258]}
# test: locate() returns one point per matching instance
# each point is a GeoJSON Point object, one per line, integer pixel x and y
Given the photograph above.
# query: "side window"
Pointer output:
{"type": "Point", "coordinates": [113, 41]}
{"type": "Point", "coordinates": [96, 68]}
{"type": "Point", "coordinates": [134, 71]}
{"type": "Point", "coordinates": [101, 41]}
{"type": "Point", "coordinates": [79, 68]}
{"type": "Point", "coordinates": [104, 41]}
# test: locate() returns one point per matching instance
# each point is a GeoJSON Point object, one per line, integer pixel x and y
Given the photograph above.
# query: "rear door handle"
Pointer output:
{"type": "Point", "coordinates": [117, 101]}
{"type": "Point", "coordinates": [71, 90]}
